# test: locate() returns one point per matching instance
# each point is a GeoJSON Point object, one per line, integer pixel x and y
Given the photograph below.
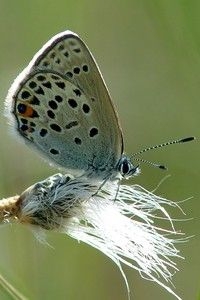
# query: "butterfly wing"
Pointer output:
{"type": "Point", "coordinates": [62, 107]}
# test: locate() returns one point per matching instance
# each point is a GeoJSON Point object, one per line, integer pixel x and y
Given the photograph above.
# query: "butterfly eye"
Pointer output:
{"type": "Point", "coordinates": [125, 167]}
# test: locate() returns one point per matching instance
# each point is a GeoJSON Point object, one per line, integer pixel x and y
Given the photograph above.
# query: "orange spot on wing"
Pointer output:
{"type": "Point", "coordinates": [28, 112]}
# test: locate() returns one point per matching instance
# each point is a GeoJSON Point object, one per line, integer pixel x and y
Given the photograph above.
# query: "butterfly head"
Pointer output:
{"type": "Point", "coordinates": [126, 168]}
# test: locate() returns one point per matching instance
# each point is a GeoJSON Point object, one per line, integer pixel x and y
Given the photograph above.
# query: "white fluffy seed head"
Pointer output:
{"type": "Point", "coordinates": [120, 221]}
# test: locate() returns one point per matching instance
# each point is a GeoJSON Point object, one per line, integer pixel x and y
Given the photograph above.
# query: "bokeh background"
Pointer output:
{"type": "Point", "coordinates": [149, 54]}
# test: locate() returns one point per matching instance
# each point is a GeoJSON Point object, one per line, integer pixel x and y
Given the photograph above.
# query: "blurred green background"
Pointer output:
{"type": "Point", "coordinates": [149, 54]}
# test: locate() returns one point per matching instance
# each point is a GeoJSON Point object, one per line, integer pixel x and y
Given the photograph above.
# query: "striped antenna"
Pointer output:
{"type": "Point", "coordinates": [184, 140]}
{"type": "Point", "coordinates": [156, 165]}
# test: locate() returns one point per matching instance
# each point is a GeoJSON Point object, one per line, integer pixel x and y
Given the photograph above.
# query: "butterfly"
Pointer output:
{"type": "Point", "coordinates": [61, 106]}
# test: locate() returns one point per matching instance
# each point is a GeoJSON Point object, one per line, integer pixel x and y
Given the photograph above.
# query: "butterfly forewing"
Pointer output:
{"type": "Point", "coordinates": [63, 108]}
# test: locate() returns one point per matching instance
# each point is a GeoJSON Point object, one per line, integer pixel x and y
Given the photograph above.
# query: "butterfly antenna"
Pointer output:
{"type": "Point", "coordinates": [184, 140]}
{"type": "Point", "coordinates": [156, 165]}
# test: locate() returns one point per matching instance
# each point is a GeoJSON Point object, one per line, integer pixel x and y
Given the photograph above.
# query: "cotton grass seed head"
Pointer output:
{"type": "Point", "coordinates": [118, 220]}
